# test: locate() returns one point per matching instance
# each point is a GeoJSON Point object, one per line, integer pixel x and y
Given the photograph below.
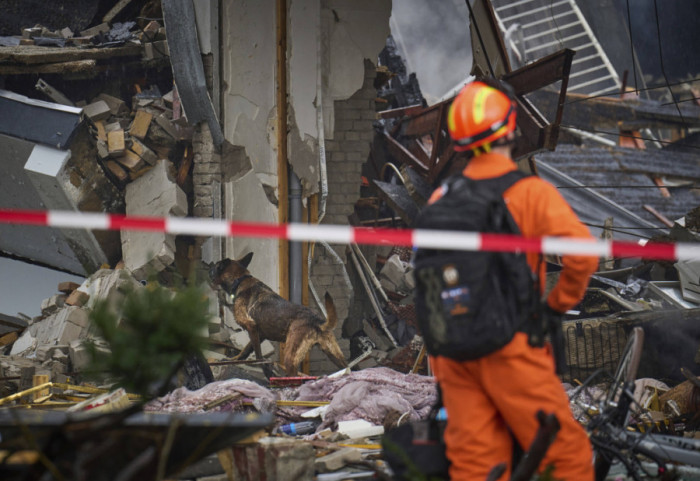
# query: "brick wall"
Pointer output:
{"type": "Point", "coordinates": [346, 152]}
{"type": "Point", "coordinates": [207, 169]}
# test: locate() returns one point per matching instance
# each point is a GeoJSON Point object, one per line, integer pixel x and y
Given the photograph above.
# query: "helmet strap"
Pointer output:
{"type": "Point", "coordinates": [482, 149]}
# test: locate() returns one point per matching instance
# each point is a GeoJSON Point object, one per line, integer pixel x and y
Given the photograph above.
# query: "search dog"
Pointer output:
{"type": "Point", "coordinates": [266, 315]}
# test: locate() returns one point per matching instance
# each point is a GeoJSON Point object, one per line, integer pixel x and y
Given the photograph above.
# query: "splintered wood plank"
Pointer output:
{"type": "Point", "coordinates": [75, 66]}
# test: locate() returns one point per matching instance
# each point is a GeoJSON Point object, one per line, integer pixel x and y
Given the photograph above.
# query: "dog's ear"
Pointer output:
{"type": "Point", "coordinates": [245, 260]}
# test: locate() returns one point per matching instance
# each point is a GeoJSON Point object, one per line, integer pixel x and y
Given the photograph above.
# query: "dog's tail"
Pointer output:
{"type": "Point", "coordinates": [331, 314]}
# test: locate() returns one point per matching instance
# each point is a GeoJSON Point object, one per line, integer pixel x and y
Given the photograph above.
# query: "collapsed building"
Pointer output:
{"type": "Point", "coordinates": [175, 109]}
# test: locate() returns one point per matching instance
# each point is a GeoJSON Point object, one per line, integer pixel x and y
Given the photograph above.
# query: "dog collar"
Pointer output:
{"type": "Point", "coordinates": [235, 284]}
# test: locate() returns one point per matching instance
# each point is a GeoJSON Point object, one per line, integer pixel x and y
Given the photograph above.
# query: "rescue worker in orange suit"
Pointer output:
{"type": "Point", "coordinates": [493, 399]}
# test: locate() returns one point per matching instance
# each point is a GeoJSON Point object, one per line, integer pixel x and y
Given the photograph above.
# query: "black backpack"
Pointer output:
{"type": "Point", "coordinates": [471, 303]}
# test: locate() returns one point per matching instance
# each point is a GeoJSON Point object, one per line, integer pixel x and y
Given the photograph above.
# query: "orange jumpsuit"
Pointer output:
{"type": "Point", "coordinates": [488, 398]}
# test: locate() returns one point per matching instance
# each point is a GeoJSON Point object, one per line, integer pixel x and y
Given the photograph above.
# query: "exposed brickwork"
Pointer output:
{"type": "Point", "coordinates": [345, 154]}
{"type": "Point", "coordinates": [207, 168]}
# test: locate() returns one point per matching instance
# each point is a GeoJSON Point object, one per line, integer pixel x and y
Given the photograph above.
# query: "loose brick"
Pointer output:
{"type": "Point", "coordinates": [116, 142]}
{"type": "Point", "coordinates": [146, 154]}
{"type": "Point", "coordinates": [67, 287]}
{"type": "Point", "coordinates": [112, 126]}
{"type": "Point", "coordinates": [116, 168]}
{"type": "Point", "coordinates": [131, 161]}
{"type": "Point", "coordinates": [78, 298]}
{"type": "Point", "coordinates": [166, 124]}
{"type": "Point", "coordinates": [97, 110]}
{"type": "Point", "coordinates": [101, 132]}
{"type": "Point", "coordinates": [139, 127]}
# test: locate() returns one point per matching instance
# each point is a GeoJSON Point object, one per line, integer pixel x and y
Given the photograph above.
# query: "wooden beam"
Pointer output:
{"type": "Point", "coordinates": [540, 73]}
{"type": "Point", "coordinates": [423, 123]}
{"type": "Point", "coordinates": [400, 112]}
{"type": "Point", "coordinates": [282, 161]}
{"type": "Point", "coordinates": [76, 66]}
{"type": "Point", "coordinates": [403, 155]}
{"type": "Point", "coordinates": [28, 54]}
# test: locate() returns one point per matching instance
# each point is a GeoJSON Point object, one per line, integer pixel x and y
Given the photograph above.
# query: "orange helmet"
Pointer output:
{"type": "Point", "coordinates": [479, 115]}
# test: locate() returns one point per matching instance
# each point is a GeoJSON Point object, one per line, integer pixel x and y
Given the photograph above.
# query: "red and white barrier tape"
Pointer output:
{"type": "Point", "coordinates": [458, 240]}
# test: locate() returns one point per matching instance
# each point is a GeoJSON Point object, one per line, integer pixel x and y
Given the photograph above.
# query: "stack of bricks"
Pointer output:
{"type": "Point", "coordinates": [345, 155]}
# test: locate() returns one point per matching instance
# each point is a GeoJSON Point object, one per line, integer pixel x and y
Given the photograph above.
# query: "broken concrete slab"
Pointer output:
{"type": "Point", "coordinates": [240, 339]}
{"type": "Point", "coordinates": [154, 194]}
{"type": "Point", "coordinates": [52, 304]}
{"type": "Point", "coordinates": [62, 327]}
{"type": "Point", "coordinates": [25, 343]}
{"type": "Point", "coordinates": [109, 285]}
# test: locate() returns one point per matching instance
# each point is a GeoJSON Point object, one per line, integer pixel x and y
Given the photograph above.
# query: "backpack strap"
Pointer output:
{"type": "Point", "coordinates": [494, 185]}
{"type": "Point", "coordinates": [504, 182]}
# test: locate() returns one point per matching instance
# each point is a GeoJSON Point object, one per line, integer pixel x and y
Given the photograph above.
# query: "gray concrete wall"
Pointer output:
{"type": "Point", "coordinates": [249, 115]}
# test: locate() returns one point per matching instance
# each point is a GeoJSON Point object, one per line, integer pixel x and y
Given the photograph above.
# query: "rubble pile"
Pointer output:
{"type": "Point", "coordinates": [52, 343]}
{"type": "Point", "coordinates": [130, 134]}
{"type": "Point", "coordinates": [130, 141]}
